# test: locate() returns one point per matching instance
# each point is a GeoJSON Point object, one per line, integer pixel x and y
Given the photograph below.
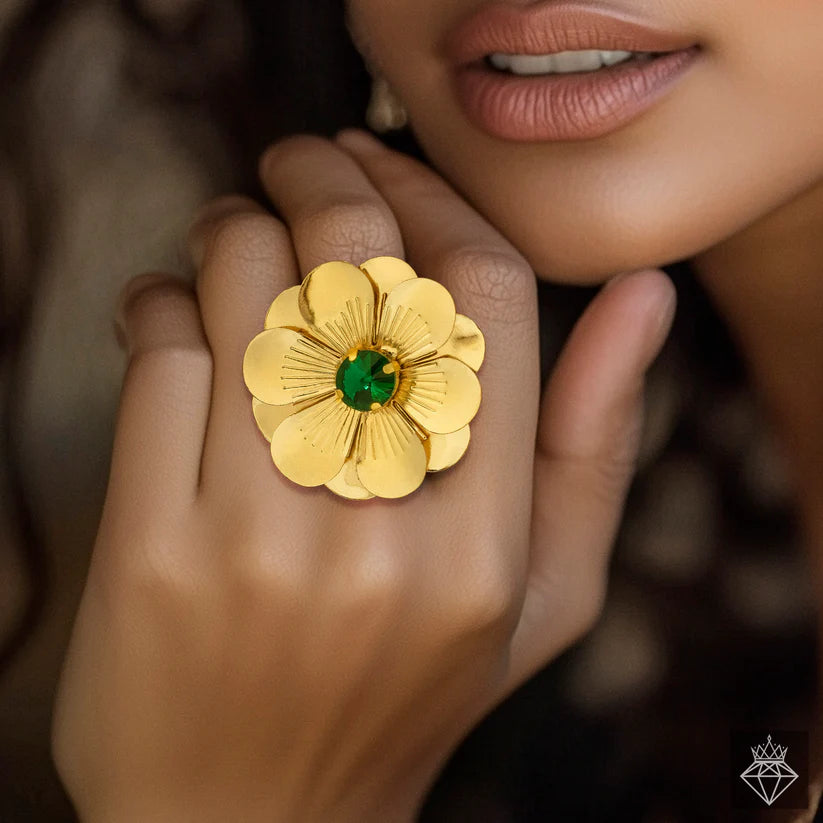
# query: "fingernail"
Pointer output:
{"type": "Point", "coordinates": [667, 297]}
{"type": "Point", "coordinates": [655, 301]}
{"type": "Point", "coordinates": [613, 281]}
{"type": "Point", "coordinates": [358, 141]}
{"type": "Point", "coordinates": [668, 309]}
{"type": "Point", "coordinates": [661, 308]}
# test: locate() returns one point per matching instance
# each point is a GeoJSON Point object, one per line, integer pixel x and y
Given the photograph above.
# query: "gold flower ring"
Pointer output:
{"type": "Point", "coordinates": [364, 379]}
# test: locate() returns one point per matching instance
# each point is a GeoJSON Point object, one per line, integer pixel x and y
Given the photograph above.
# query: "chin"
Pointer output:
{"type": "Point", "coordinates": [591, 252]}
{"type": "Point", "coordinates": [583, 222]}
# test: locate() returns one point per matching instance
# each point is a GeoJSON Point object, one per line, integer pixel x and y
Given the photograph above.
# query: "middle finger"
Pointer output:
{"type": "Point", "coordinates": [331, 208]}
{"type": "Point", "coordinates": [448, 240]}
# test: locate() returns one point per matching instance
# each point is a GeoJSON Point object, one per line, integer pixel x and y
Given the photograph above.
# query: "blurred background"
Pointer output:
{"type": "Point", "coordinates": [117, 120]}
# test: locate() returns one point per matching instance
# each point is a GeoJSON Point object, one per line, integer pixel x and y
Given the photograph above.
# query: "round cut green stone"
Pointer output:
{"type": "Point", "coordinates": [365, 381]}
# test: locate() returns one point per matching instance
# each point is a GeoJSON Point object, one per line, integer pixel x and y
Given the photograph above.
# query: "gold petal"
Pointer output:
{"type": "Point", "coordinates": [337, 301]}
{"type": "Point", "coordinates": [417, 318]}
{"type": "Point", "coordinates": [391, 458]}
{"type": "Point", "coordinates": [466, 343]}
{"type": "Point", "coordinates": [283, 366]}
{"type": "Point", "coordinates": [310, 446]}
{"type": "Point", "coordinates": [445, 450]}
{"type": "Point", "coordinates": [347, 484]}
{"type": "Point", "coordinates": [270, 417]}
{"type": "Point", "coordinates": [441, 395]}
{"type": "Point", "coordinates": [388, 272]}
{"type": "Point", "coordinates": [285, 311]}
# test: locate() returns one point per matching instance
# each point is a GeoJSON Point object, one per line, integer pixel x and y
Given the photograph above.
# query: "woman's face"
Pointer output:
{"type": "Point", "coordinates": [590, 176]}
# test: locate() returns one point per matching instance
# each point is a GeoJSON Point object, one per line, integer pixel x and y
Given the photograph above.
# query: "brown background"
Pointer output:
{"type": "Point", "coordinates": [117, 119]}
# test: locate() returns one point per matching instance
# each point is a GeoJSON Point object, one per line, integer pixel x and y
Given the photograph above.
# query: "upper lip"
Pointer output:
{"type": "Point", "coordinates": [553, 27]}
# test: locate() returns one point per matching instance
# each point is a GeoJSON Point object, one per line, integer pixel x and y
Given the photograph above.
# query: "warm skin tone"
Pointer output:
{"type": "Point", "coordinates": [217, 689]}
{"type": "Point", "coordinates": [487, 572]}
{"type": "Point", "coordinates": [685, 180]}
{"type": "Point", "coordinates": [768, 281]}
{"type": "Point", "coordinates": [684, 177]}
{"type": "Point", "coordinates": [728, 170]}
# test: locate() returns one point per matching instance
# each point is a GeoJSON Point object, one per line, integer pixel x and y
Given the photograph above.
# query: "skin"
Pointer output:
{"type": "Point", "coordinates": [227, 608]}
{"type": "Point", "coordinates": [752, 104]}
{"type": "Point", "coordinates": [205, 678]}
{"type": "Point", "coordinates": [672, 190]}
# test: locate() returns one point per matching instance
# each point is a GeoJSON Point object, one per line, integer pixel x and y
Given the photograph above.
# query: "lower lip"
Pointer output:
{"type": "Point", "coordinates": [578, 106]}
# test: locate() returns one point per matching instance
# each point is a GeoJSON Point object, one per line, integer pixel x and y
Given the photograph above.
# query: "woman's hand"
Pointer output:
{"type": "Point", "coordinates": [247, 649]}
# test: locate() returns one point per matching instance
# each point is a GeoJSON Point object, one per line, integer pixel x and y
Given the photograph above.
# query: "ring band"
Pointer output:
{"type": "Point", "coordinates": [364, 379]}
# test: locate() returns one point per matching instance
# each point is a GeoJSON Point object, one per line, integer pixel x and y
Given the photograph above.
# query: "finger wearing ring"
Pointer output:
{"type": "Point", "coordinates": [364, 379]}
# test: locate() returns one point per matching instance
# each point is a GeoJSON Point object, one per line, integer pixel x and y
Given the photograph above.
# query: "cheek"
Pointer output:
{"type": "Point", "coordinates": [739, 136]}
{"type": "Point", "coordinates": [724, 151]}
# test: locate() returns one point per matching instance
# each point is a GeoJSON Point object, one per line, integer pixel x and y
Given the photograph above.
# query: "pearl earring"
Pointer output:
{"type": "Point", "coordinates": [385, 112]}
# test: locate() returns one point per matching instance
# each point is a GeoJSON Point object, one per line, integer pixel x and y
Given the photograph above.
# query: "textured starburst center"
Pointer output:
{"type": "Point", "coordinates": [366, 378]}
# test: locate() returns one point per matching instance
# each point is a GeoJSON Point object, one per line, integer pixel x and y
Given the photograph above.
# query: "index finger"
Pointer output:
{"type": "Point", "coordinates": [491, 282]}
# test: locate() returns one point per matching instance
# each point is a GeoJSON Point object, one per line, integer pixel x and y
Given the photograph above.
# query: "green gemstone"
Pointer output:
{"type": "Point", "coordinates": [363, 380]}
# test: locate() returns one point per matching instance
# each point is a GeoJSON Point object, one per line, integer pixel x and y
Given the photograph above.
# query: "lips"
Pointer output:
{"type": "Point", "coordinates": [575, 106]}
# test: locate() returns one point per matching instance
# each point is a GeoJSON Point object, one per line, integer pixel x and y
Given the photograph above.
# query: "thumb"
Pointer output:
{"type": "Point", "coordinates": [591, 418]}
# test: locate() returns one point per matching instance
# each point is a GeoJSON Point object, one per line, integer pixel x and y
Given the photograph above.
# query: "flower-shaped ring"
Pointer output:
{"type": "Point", "coordinates": [364, 379]}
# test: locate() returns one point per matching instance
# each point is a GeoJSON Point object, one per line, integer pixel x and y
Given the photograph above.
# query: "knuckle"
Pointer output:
{"type": "Point", "coordinates": [159, 569]}
{"type": "Point", "coordinates": [156, 570]}
{"type": "Point", "coordinates": [150, 296]}
{"type": "Point", "coordinates": [364, 585]}
{"type": "Point", "coordinates": [496, 285]}
{"type": "Point", "coordinates": [376, 575]}
{"type": "Point", "coordinates": [487, 600]}
{"type": "Point", "coordinates": [263, 569]}
{"type": "Point", "coordinates": [349, 230]}
{"type": "Point", "coordinates": [270, 574]}
{"type": "Point", "coordinates": [370, 591]}
{"type": "Point", "coordinates": [289, 149]}
{"type": "Point", "coordinates": [245, 236]}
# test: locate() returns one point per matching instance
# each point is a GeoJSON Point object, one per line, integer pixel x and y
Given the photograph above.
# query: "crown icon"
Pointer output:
{"type": "Point", "coordinates": [769, 751]}
{"type": "Point", "coordinates": [769, 775]}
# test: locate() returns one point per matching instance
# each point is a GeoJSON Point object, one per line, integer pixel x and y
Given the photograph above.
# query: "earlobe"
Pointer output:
{"type": "Point", "coordinates": [385, 112]}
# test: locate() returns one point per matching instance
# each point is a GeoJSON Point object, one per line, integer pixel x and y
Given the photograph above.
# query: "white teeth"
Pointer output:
{"type": "Point", "coordinates": [501, 61]}
{"type": "Point", "coordinates": [531, 63]}
{"type": "Point", "coordinates": [569, 61]}
{"type": "Point", "coordinates": [563, 62]}
{"type": "Point", "coordinates": [612, 58]}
